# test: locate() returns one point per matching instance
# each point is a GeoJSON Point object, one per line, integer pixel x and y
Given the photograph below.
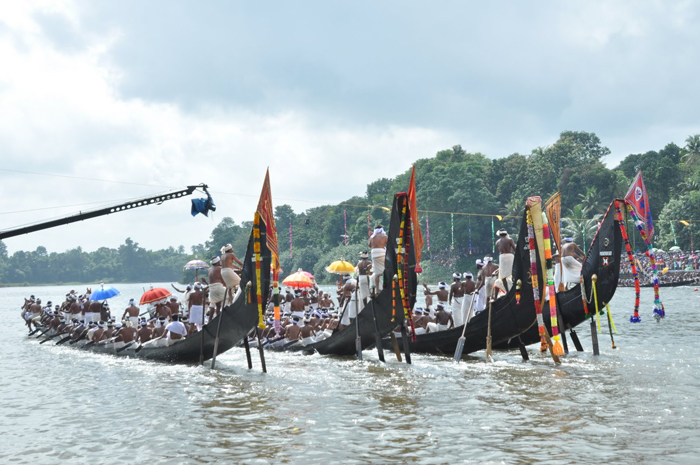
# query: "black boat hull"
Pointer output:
{"type": "Point", "coordinates": [237, 320]}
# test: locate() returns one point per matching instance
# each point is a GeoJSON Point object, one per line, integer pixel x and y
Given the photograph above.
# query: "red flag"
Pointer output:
{"type": "Point", "coordinates": [267, 215]}
{"type": "Point", "coordinates": [417, 234]}
{"type": "Point", "coordinates": [637, 197]}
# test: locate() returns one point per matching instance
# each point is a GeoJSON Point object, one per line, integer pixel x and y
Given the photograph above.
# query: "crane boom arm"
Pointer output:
{"type": "Point", "coordinates": [155, 200]}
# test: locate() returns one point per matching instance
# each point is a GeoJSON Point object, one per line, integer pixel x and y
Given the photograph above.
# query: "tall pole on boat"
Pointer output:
{"type": "Point", "coordinates": [377, 335]}
{"type": "Point", "coordinates": [358, 339]}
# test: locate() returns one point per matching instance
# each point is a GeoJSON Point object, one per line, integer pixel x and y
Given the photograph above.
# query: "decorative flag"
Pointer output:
{"type": "Point", "coordinates": [638, 199]}
{"type": "Point", "coordinates": [345, 227]}
{"type": "Point", "coordinates": [417, 234]}
{"type": "Point", "coordinates": [553, 209]}
{"type": "Point", "coordinates": [470, 236]}
{"type": "Point", "coordinates": [427, 230]}
{"type": "Point", "coordinates": [267, 216]}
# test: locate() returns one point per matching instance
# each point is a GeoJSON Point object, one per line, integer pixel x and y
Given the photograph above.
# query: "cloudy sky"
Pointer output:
{"type": "Point", "coordinates": [104, 101]}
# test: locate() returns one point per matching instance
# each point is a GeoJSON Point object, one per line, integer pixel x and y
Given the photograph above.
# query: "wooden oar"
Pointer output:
{"type": "Point", "coordinates": [463, 339]}
{"type": "Point", "coordinates": [218, 330]}
{"type": "Point", "coordinates": [262, 352]}
{"type": "Point", "coordinates": [54, 336]}
{"type": "Point", "coordinates": [35, 331]}
{"type": "Point", "coordinates": [345, 307]}
{"type": "Point", "coordinates": [561, 323]}
{"type": "Point", "coordinates": [43, 332]}
{"type": "Point", "coordinates": [82, 336]}
{"type": "Point", "coordinates": [246, 345]}
{"type": "Point", "coordinates": [121, 349]}
{"type": "Point", "coordinates": [523, 350]}
{"type": "Point", "coordinates": [89, 344]}
{"type": "Point", "coordinates": [594, 331]}
{"type": "Point", "coordinates": [488, 331]}
{"type": "Point", "coordinates": [358, 339]}
{"type": "Point", "coordinates": [377, 336]}
{"type": "Point", "coordinates": [395, 345]}
{"type": "Point", "coordinates": [63, 340]}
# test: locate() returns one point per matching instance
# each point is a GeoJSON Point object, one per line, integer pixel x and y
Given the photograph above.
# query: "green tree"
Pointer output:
{"type": "Point", "coordinates": [692, 150]}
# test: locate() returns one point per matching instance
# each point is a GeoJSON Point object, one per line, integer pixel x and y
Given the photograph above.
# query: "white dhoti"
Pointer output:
{"type": "Point", "coordinates": [118, 345]}
{"type": "Point", "coordinates": [457, 314]}
{"type": "Point", "coordinates": [216, 292]}
{"type": "Point", "coordinates": [489, 282]}
{"type": "Point", "coordinates": [307, 340]}
{"type": "Point", "coordinates": [354, 306]}
{"type": "Point", "coordinates": [287, 307]}
{"type": "Point", "coordinates": [572, 270]}
{"type": "Point", "coordinates": [378, 257]}
{"type": "Point", "coordinates": [557, 275]}
{"type": "Point", "coordinates": [480, 304]}
{"type": "Point", "coordinates": [196, 314]}
{"type": "Point", "coordinates": [159, 342]}
{"type": "Point", "coordinates": [169, 342]}
{"type": "Point", "coordinates": [364, 287]}
{"type": "Point", "coordinates": [466, 303]}
{"type": "Point", "coordinates": [89, 317]}
{"type": "Point", "coordinates": [505, 265]}
{"type": "Point", "coordinates": [435, 327]}
{"type": "Point", "coordinates": [419, 331]}
{"type": "Point", "coordinates": [345, 318]}
{"type": "Point", "coordinates": [325, 334]}
{"type": "Point", "coordinates": [230, 277]}
{"type": "Point", "coordinates": [133, 321]}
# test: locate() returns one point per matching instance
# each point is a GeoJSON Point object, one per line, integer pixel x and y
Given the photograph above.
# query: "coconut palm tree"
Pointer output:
{"type": "Point", "coordinates": [692, 150]}
{"type": "Point", "coordinates": [513, 208]}
{"type": "Point", "coordinates": [580, 225]}
{"type": "Point", "coordinates": [591, 200]}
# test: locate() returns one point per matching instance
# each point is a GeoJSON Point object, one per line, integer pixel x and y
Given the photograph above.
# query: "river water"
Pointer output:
{"type": "Point", "coordinates": [635, 404]}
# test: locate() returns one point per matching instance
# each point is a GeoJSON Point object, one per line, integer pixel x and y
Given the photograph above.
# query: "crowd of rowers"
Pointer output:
{"type": "Point", "coordinates": [166, 322]}
{"type": "Point", "coordinates": [310, 316]}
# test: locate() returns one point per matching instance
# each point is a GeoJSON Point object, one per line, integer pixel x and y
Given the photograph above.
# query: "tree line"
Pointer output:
{"type": "Point", "coordinates": [460, 194]}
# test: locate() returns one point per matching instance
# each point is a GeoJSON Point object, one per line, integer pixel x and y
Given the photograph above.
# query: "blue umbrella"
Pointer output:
{"type": "Point", "coordinates": [104, 292]}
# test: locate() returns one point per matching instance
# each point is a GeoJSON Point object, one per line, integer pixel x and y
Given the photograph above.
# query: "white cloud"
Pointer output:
{"type": "Point", "coordinates": [62, 114]}
{"type": "Point", "coordinates": [326, 97]}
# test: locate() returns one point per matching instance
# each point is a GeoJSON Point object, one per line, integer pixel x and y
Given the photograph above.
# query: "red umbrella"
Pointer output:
{"type": "Point", "coordinates": [154, 295]}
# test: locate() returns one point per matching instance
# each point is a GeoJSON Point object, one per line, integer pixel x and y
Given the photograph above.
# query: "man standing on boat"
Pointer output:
{"type": "Point", "coordinates": [229, 275]}
{"type": "Point", "coordinates": [217, 286]}
{"type": "Point", "coordinates": [480, 303]}
{"type": "Point", "coordinates": [455, 299]}
{"type": "Point", "coordinates": [377, 244]}
{"type": "Point", "coordinates": [506, 249]}
{"type": "Point", "coordinates": [364, 267]}
{"type": "Point", "coordinates": [196, 303]}
{"type": "Point", "coordinates": [131, 315]}
{"type": "Point", "coordinates": [488, 272]}
{"type": "Point", "coordinates": [571, 259]}
{"type": "Point", "coordinates": [468, 288]}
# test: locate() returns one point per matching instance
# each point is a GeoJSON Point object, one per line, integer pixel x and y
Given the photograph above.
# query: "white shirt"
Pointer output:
{"type": "Point", "coordinates": [177, 327]}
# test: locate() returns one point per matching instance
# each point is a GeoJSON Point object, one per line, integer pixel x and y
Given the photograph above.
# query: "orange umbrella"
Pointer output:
{"type": "Point", "coordinates": [298, 279]}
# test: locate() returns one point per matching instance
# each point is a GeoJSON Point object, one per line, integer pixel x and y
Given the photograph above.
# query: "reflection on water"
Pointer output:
{"type": "Point", "coordinates": [633, 404]}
